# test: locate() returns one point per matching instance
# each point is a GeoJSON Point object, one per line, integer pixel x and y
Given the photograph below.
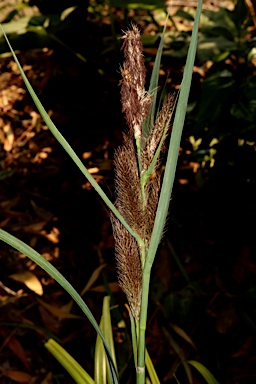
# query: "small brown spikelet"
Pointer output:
{"type": "Point", "coordinates": [128, 266]}
{"type": "Point", "coordinates": [152, 193]}
{"type": "Point", "coordinates": [157, 132]}
{"type": "Point", "coordinates": [136, 101]}
{"type": "Point", "coordinates": [127, 184]}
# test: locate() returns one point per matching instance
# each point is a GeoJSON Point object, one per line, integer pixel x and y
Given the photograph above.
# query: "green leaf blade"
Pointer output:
{"type": "Point", "coordinates": [174, 146]}
{"type": "Point", "coordinates": [149, 121]}
{"type": "Point", "coordinates": [207, 375]}
{"type": "Point", "coordinates": [55, 274]}
{"type": "Point", "coordinates": [151, 370]}
{"type": "Point", "coordinates": [68, 148]}
{"type": "Point", "coordinates": [107, 330]}
{"type": "Point", "coordinates": [69, 363]}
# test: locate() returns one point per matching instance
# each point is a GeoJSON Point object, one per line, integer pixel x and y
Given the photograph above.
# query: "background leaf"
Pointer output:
{"type": "Point", "coordinates": [204, 372]}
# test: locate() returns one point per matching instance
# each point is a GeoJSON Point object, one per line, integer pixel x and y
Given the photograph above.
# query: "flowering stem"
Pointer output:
{"type": "Point", "coordinates": [142, 185]}
{"type": "Point", "coordinates": [134, 332]}
{"type": "Point", "coordinates": [165, 195]}
{"type": "Point", "coordinates": [140, 376]}
{"type": "Point", "coordinates": [143, 255]}
{"type": "Point", "coordinates": [137, 140]}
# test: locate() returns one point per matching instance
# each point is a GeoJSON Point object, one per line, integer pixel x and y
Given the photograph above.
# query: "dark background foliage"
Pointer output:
{"type": "Point", "coordinates": [203, 287]}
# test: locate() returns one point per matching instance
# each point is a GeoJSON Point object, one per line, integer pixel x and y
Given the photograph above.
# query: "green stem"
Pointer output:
{"type": "Point", "coordinates": [138, 146]}
{"type": "Point", "coordinates": [143, 255]}
{"type": "Point", "coordinates": [55, 274]}
{"type": "Point", "coordinates": [143, 199]}
{"type": "Point", "coordinates": [69, 150]}
{"type": "Point", "coordinates": [134, 337]}
{"type": "Point", "coordinates": [140, 376]}
{"type": "Point", "coordinates": [142, 186]}
{"type": "Point", "coordinates": [165, 194]}
{"type": "Point", "coordinates": [137, 140]}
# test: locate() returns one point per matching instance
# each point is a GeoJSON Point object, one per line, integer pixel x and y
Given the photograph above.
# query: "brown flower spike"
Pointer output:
{"type": "Point", "coordinates": [136, 201]}
{"type": "Point", "coordinates": [135, 100]}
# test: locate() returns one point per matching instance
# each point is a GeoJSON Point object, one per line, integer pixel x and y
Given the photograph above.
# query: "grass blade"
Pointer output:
{"type": "Point", "coordinates": [166, 190]}
{"type": "Point", "coordinates": [102, 373]}
{"type": "Point", "coordinates": [151, 166]}
{"type": "Point", "coordinates": [100, 361]}
{"type": "Point", "coordinates": [55, 274]}
{"type": "Point", "coordinates": [68, 148]}
{"type": "Point", "coordinates": [207, 375]}
{"type": "Point", "coordinates": [181, 355]}
{"type": "Point", "coordinates": [149, 121]}
{"type": "Point", "coordinates": [107, 329]}
{"type": "Point", "coordinates": [174, 146]}
{"type": "Point", "coordinates": [35, 256]}
{"type": "Point", "coordinates": [151, 370]}
{"type": "Point", "coordinates": [134, 337]}
{"type": "Point", "coordinates": [69, 363]}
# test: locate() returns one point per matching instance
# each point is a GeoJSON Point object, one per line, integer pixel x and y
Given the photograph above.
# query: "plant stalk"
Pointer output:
{"type": "Point", "coordinates": [165, 194]}
{"type": "Point", "coordinates": [140, 374]}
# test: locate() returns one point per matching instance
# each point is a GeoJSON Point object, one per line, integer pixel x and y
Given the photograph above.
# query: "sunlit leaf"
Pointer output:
{"type": "Point", "coordinates": [18, 26]}
{"type": "Point", "coordinates": [30, 280]}
{"type": "Point", "coordinates": [67, 12]}
{"type": "Point", "coordinates": [141, 4]}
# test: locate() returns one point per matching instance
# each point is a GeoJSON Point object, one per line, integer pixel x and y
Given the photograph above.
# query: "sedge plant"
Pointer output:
{"type": "Point", "coordinates": [139, 212]}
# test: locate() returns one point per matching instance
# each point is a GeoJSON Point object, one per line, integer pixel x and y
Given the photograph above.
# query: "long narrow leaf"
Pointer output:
{"type": "Point", "coordinates": [102, 373]}
{"type": "Point", "coordinates": [33, 255]}
{"type": "Point", "coordinates": [151, 166]}
{"type": "Point", "coordinates": [134, 337]}
{"type": "Point", "coordinates": [100, 361]}
{"type": "Point", "coordinates": [69, 363]}
{"type": "Point", "coordinates": [68, 148]}
{"type": "Point", "coordinates": [151, 370]}
{"type": "Point", "coordinates": [149, 121]}
{"type": "Point", "coordinates": [107, 329]}
{"type": "Point", "coordinates": [55, 274]}
{"type": "Point", "coordinates": [174, 146]}
{"type": "Point", "coordinates": [207, 375]}
{"type": "Point", "coordinates": [180, 353]}
{"type": "Point", "coordinates": [166, 190]}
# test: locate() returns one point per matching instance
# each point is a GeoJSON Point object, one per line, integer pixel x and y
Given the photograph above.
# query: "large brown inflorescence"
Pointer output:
{"type": "Point", "coordinates": [136, 206]}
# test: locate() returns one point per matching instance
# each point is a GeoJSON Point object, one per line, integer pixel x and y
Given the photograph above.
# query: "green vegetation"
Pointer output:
{"type": "Point", "coordinates": [219, 131]}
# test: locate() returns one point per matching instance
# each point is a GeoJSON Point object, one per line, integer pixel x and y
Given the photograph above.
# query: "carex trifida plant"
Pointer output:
{"type": "Point", "coordinates": [137, 170]}
{"type": "Point", "coordinates": [142, 193]}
